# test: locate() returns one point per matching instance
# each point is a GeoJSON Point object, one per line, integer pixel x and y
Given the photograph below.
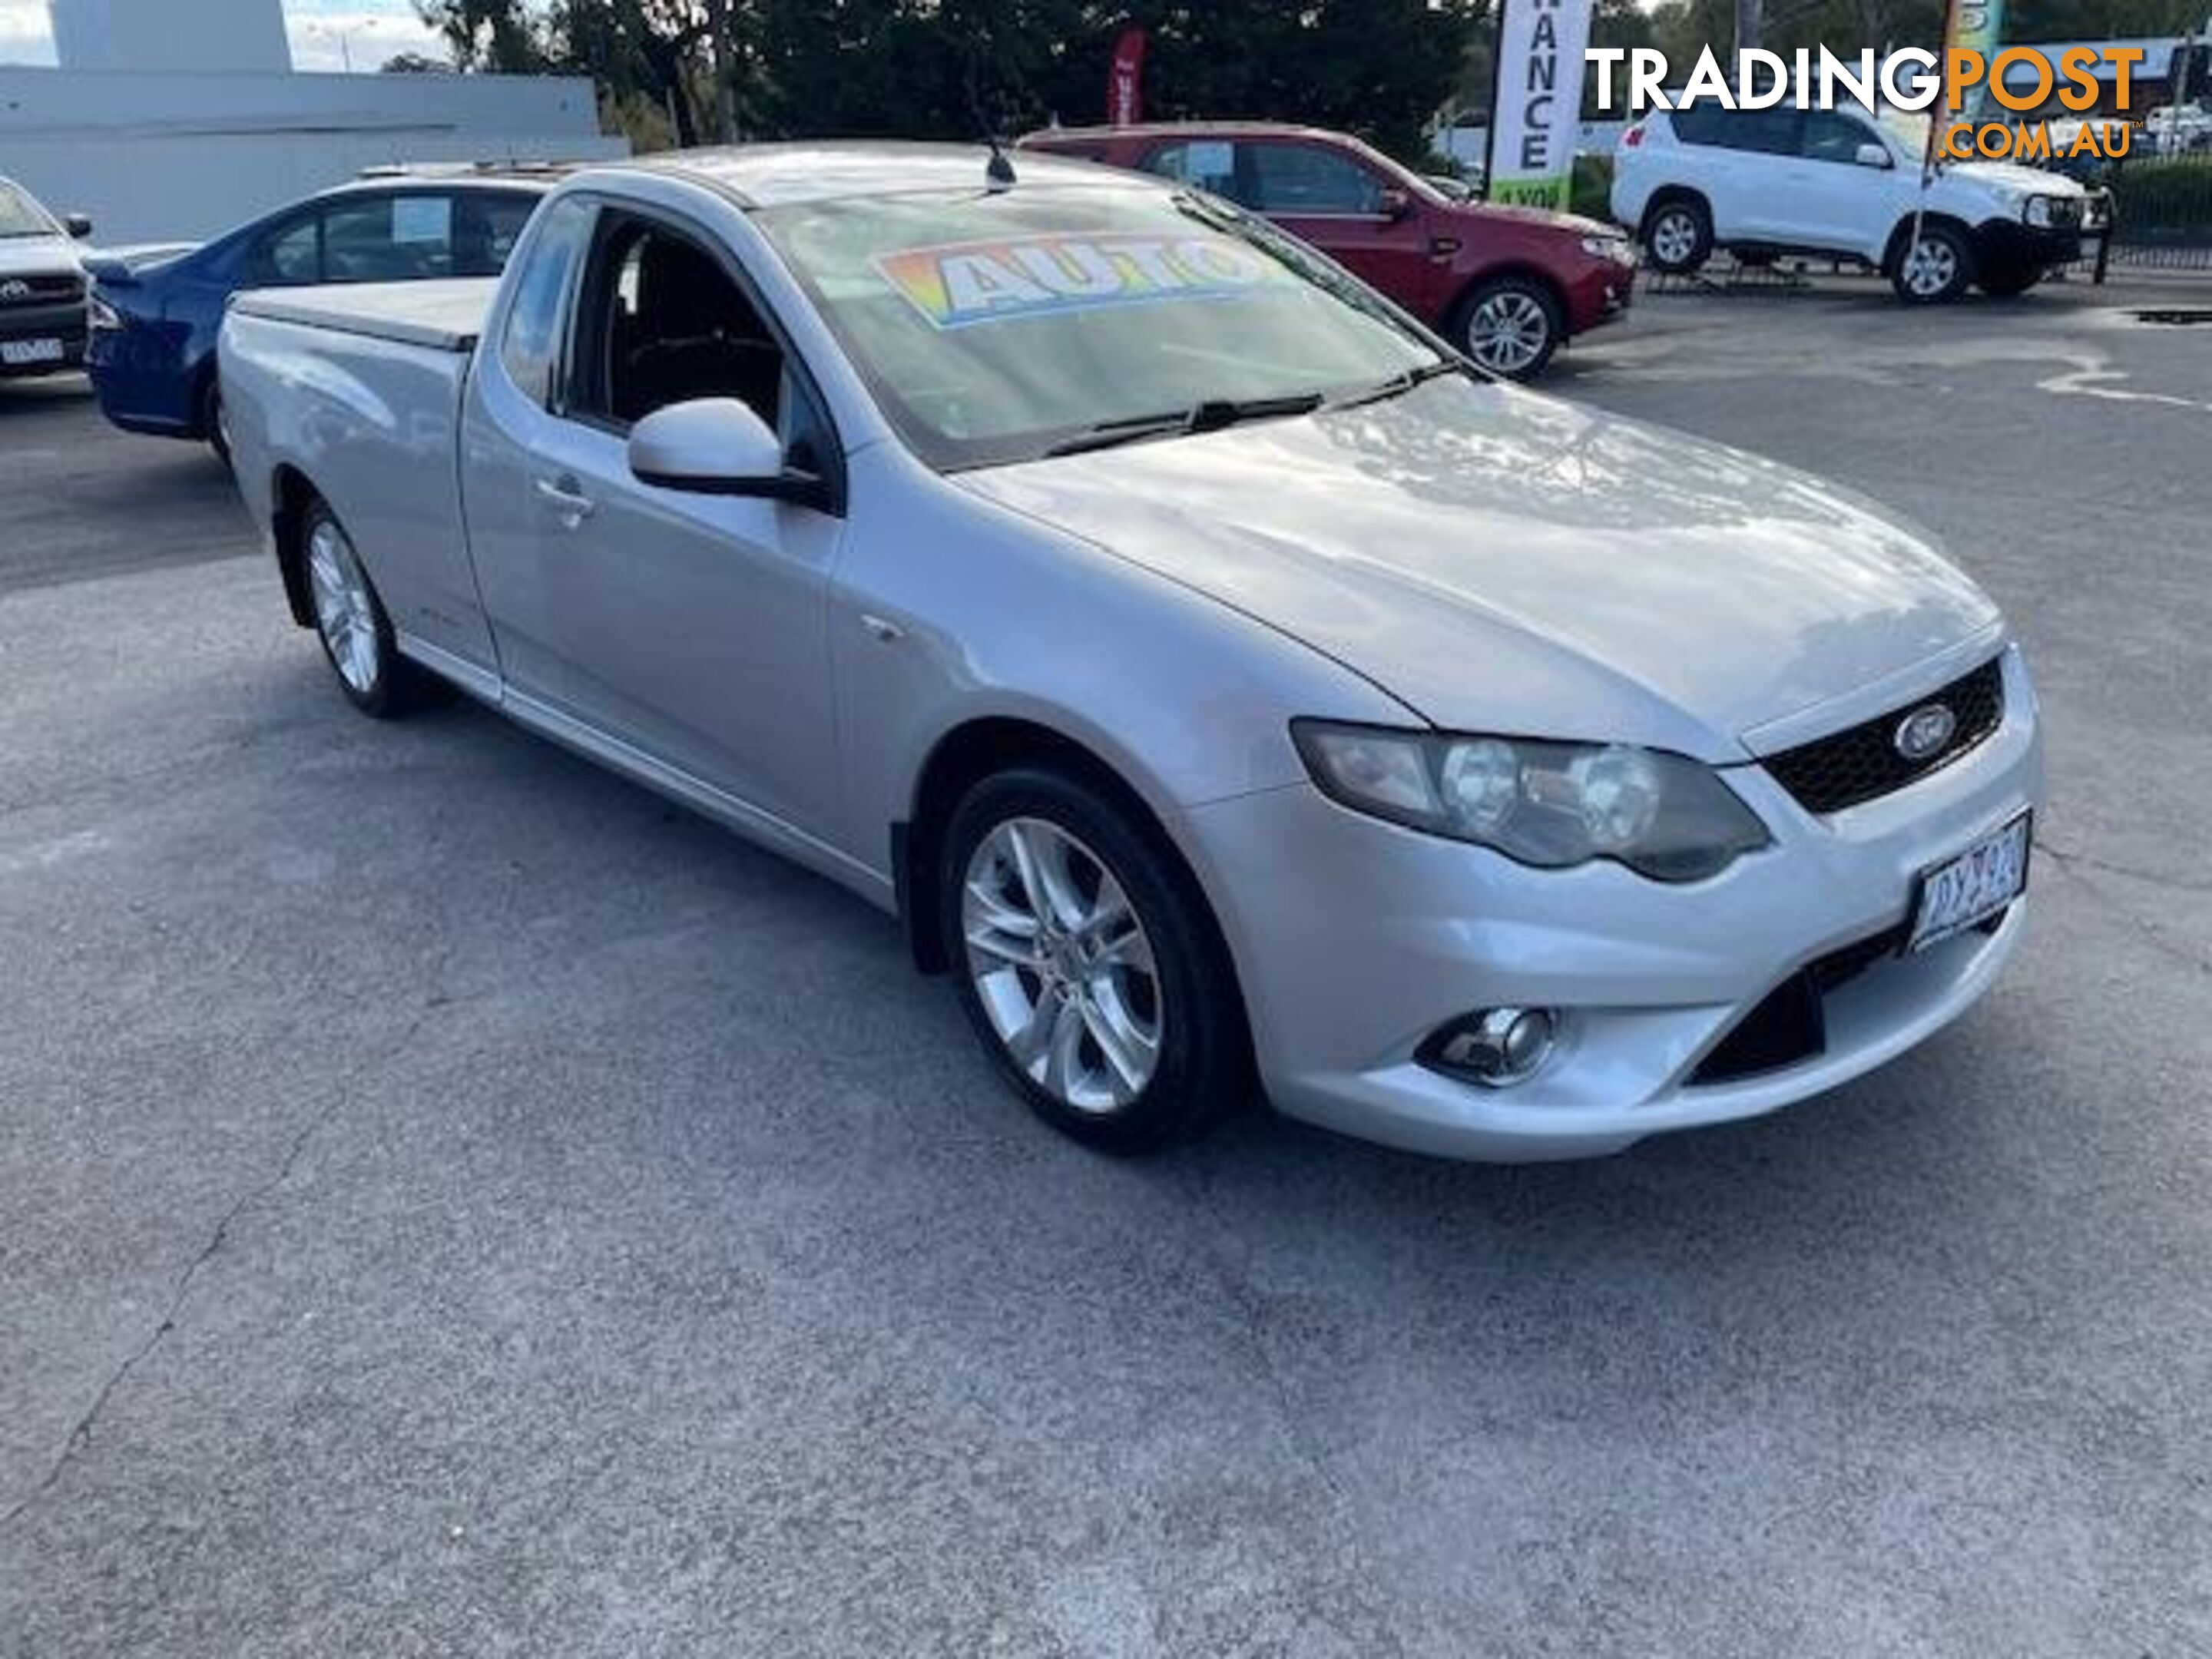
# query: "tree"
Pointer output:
{"type": "Point", "coordinates": [648, 48]}
{"type": "Point", "coordinates": [954, 68]}
{"type": "Point", "coordinates": [1380, 68]}
{"type": "Point", "coordinates": [495, 37]}
{"type": "Point", "coordinates": [906, 68]}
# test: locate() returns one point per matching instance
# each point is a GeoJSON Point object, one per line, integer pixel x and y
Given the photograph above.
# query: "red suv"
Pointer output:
{"type": "Point", "coordinates": [1505, 284]}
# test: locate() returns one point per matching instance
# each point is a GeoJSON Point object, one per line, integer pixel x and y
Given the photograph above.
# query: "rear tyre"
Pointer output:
{"type": "Point", "coordinates": [1511, 325]}
{"type": "Point", "coordinates": [351, 621]}
{"type": "Point", "coordinates": [1678, 235]}
{"type": "Point", "coordinates": [1088, 963]}
{"type": "Point", "coordinates": [1934, 269]}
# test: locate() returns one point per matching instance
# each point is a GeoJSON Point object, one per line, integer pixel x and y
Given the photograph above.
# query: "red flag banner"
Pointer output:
{"type": "Point", "coordinates": [1125, 80]}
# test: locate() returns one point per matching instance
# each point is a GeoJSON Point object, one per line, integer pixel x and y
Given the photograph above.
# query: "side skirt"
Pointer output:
{"type": "Point", "coordinates": [755, 824]}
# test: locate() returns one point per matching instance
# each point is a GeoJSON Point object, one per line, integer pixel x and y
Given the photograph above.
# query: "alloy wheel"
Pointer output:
{"type": "Point", "coordinates": [1507, 332]}
{"type": "Point", "coordinates": [345, 615]}
{"type": "Point", "coordinates": [1673, 237]}
{"type": "Point", "coordinates": [1061, 965]}
{"type": "Point", "coordinates": [1932, 268]}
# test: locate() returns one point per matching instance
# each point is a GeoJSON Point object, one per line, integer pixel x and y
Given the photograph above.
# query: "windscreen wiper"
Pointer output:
{"type": "Point", "coordinates": [1396, 385]}
{"type": "Point", "coordinates": [1210, 415]}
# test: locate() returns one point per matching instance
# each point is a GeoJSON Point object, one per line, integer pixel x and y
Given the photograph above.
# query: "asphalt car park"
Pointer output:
{"type": "Point", "coordinates": [453, 1201]}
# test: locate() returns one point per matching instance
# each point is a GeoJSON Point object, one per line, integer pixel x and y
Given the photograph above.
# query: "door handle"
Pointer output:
{"type": "Point", "coordinates": [567, 502]}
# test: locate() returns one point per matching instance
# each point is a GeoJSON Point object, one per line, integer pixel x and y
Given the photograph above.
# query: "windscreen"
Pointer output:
{"type": "Point", "coordinates": [20, 215]}
{"type": "Point", "coordinates": [991, 326]}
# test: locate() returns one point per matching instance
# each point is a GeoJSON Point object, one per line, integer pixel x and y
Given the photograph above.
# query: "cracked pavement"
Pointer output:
{"type": "Point", "coordinates": [453, 1202]}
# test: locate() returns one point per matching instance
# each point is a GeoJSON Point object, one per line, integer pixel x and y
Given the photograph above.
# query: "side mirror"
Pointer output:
{"type": "Point", "coordinates": [1873, 155]}
{"type": "Point", "coordinates": [1394, 203]}
{"type": "Point", "coordinates": [78, 226]}
{"type": "Point", "coordinates": [718, 446]}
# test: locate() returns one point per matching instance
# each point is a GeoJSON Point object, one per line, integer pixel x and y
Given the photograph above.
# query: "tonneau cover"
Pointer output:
{"type": "Point", "coordinates": [445, 315]}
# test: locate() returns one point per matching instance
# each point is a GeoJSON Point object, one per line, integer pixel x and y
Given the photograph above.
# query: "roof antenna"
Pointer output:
{"type": "Point", "coordinates": [998, 174]}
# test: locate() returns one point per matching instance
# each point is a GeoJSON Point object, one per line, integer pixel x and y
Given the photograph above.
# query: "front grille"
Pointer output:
{"type": "Point", "coordinates": [39, 291]}
{"type": "Point", "coordinates": [1862, 763]}
{"type": "Point", "coordinates": [1789, 1025]}
{"type": "Point", "coordinates": [1787, 1028]}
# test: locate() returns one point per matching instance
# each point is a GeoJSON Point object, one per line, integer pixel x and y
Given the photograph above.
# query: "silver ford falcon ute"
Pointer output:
{"type": "Point", "coordinates": [1221, 681]}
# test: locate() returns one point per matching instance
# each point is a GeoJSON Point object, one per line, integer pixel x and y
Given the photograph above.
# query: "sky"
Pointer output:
{"type": "Point", "coordinates": [323, 32]}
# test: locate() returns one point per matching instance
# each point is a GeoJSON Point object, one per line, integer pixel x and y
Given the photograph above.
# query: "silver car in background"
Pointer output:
{"type": "Point", "coordinates": [1219, 679]}
{"type": "Point", "coordinates": [43, 314]}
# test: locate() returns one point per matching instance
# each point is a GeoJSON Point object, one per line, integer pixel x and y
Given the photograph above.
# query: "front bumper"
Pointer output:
{"type": "Point", "coordinates": [1355, 939]}
{"type": "Point", "coordinates": [2005, 242]}
{"type": "Point", "coordinates": [64, 323]}
{"type": "Point", "coordinates": [1601, 292]}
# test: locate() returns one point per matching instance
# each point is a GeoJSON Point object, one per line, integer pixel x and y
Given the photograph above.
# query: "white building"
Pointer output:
{"type": "Point", "coordinates": [184, 35]}
{"type": "Point", "coordinates": [175, 120]}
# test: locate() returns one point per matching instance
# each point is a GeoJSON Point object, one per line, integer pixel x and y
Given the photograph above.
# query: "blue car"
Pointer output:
{"type": "Point", "coordinates": [155, 320]}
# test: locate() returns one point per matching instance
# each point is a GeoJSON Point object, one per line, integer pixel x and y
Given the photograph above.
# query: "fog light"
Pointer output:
{"type": "Point", "coordinates": [1496, 1047]}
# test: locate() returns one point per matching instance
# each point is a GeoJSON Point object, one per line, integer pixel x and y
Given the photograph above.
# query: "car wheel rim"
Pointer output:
{"type": "Point", "coordinates": [1061, 965]}
{"type": "Point", "coordinates": [344, 615]}
{"type": "Point", "coordinates": [1932, 267]}
{"type": "Point", "coordinates": [1507, 332]}
{"type": "Point", "coordinates": [1673, 238]}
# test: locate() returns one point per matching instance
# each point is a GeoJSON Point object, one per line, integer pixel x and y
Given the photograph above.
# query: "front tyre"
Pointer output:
{"type": "Point", "coordinates": [1088, 965]}
{"type": "Point", "coordinates": [1511, 325]}
{"type": "Point", "coordinates": [1934, 268]}
{"type": "Point", "coordinates": [351, 623]}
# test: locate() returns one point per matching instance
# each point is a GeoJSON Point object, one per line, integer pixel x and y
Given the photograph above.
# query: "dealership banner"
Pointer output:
{"type": "Point", "coordinates": [1973, 26]}
{"type": "Point", "coordinates": [1537, 106]}
{"type": "Point", "coordinates": [1125, 80]}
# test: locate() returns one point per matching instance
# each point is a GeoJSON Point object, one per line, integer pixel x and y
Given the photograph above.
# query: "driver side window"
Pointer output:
{"type": "Point", "coordinates": [1290, 181]}
{"type": "Point", "coordinates": [289, 254]}
{"type": "Point", "coordinates": [660, 321]}
{"type": "Point", "coordinates": [1828, 136]}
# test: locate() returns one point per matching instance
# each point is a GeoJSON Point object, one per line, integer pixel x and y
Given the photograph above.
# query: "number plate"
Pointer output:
{"type": "Point", "coordinates": [1970, 888]}
{"type": "Point", "coordinates": [15, 353]}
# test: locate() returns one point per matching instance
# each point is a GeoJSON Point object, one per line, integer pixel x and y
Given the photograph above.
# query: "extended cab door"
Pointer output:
{"type": "Point", "coordinates": [689, 627]}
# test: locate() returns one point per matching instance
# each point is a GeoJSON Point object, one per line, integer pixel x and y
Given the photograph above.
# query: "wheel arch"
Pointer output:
{"type": "Point", "coordinates": [973, 749]}
{"type": "Point", "coordinates": [1892, 251]}
{"type": "Point", "coordinates": [205, 380]}
{"type": "Point", "coordinates": [1512, 265]}
{"type": "Point", "coordinates": [291, 494]}
{"type": "Point", "coordinates": [1665, 196]}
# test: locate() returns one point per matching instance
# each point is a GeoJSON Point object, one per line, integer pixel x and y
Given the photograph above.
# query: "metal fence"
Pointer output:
{"type": "Point", "coordinates": [2125, 255]}
{"type": "Point", "coordinates": [2162, 209]}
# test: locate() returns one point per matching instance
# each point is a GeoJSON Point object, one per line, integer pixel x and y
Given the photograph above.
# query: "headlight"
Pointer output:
{"type": "Point", "coordinates": [1608, 248]}
{"type": "Point", "coordinates": [1551, 805]}
{"type": "Point", "coordinates": [2042, 211]}
{"type": "Point", "coordinates": [102, 315]}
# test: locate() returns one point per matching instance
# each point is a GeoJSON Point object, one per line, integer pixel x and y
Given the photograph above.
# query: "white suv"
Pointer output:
{"type": "Point", "coordinates": [1838, 183]}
